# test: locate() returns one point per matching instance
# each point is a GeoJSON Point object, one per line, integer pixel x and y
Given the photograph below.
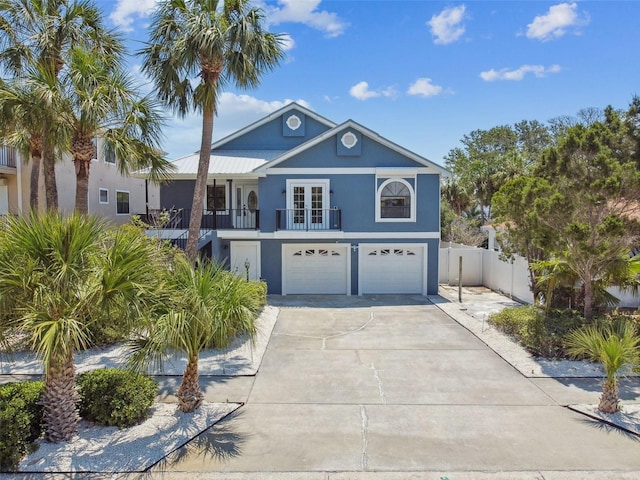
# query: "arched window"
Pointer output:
{"type": "Point", "coordinates": [395, 201]}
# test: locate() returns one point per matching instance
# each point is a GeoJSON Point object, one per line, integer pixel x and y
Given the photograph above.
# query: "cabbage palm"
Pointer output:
{"type": "Point", "coordinates": [103, 100]}
{"type": "Point", "coordinates": [220, 42]}
{"type": "Point", "coordinates": [59, 277]}
{"type": "Point", "coordinates": [37, 34]}
{"type": "Point", "coordinates": [613, 346]}
{"type": "Point", "coordinates": [208, 308]}
{"type": "Point", "coordinates": [26, 106]}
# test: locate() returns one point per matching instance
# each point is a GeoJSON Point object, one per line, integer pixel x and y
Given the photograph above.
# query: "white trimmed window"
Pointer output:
{"type": "Point", "coordinates": [109, 156]}
{"type": "Point", "coordinates": [395, 201]}
{"type": "Point", "coordinates": [103, 196]}
{"type": "Point", "coordinates": [122, 202]}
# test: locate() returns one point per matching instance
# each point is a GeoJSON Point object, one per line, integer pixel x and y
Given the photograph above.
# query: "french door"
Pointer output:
{"type": "Point", "coordinates": [307, 205]}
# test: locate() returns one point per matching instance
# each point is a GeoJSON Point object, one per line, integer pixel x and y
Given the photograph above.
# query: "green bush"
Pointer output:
{"type": "Point", "coordinates": [20, 421]}
{"type": "Point", "coordinates": [115, 397]}
{"type": "Point", "coordinates": [541, 334]}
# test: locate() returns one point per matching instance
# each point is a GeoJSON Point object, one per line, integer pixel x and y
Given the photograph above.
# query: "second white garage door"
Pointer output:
{"type": "Point", "coordinates": [315, 269]}
{"type": "Point", "coordinates": [394, 268]}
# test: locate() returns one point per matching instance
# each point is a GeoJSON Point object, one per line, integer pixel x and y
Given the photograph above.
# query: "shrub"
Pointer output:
{"type": "Point", "coordinates": [542, 335]}
{"type": "Point", "coordinates": [113, 397]}
{"type": "Point", "coordinates": [20, 421]}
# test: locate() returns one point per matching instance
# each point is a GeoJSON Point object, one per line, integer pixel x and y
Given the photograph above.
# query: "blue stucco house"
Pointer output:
{"type": "Point", "coordinates": [315, 207]}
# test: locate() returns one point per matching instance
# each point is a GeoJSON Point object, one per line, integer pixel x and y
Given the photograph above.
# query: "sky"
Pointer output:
{"type": "Point", "coordinates": [423, 73]}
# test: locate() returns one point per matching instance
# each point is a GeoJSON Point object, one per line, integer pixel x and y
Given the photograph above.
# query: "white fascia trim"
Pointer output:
{"type": "Point", "coordinates": [324, 235]}
{"type": "Point", "coordinates": [238, 234]}
{"type": "Point", "coordinates": [398, 172]}
{"type": "Point", "coordinates": [304, 235]}
{"type": "Point", "coordinates": [272, 116]}
{"type": "Point", "coordinates": [394, 235]}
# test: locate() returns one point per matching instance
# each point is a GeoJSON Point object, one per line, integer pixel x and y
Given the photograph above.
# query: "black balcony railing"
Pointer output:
{"type": "Point", "coordinates": [7, 156]}
{"type": "Point", "coordinates": [244, 219]}
{"type": "Point", "coordinates": [309, 219]}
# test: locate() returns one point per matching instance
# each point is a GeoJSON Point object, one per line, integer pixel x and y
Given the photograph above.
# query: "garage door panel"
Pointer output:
{"type": "Point", "coordinates": [314, 269]}
{"type": "Point", "coordinates": [392, 269]}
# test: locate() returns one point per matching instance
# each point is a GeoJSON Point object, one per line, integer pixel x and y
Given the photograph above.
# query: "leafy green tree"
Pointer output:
{"type": "Point", "coordinates": [37, 35]}
{"type": "Point", "coordinates": [59, 276]}
{"type": "Point", "coordinates": [590, 210]}
{"type": "Point", "coordinates": [207, 308]}
{"type": "Point", "coordinates": [614, 347]}
{"type": "Point", "coordinates": [520, 229]}
{"type": "Point", "coordinates": [219, 42]}
{"type": "Point", "coordinates": [487, 159]}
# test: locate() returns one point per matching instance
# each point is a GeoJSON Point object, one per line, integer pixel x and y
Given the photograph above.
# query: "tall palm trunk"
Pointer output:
{"type": "Point", "coordinates": [189, 394]}
{"type": "Point", "coordinates": [49, 169]}
{"type": "Point", "coordinates": [34, 182]}
{"type": "Point", "coordinates": [200, 188]}
{"type": "Point", "coordinates": [60, 416]}
{"type": "Point", "coordinates": [609, 400]}
{"type": "Point", "coordinates": [82, 186]}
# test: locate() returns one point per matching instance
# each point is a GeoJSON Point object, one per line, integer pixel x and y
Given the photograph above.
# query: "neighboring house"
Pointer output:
{"type": "Point", "coordinates": [111, 194]}
{"type": "Point", "coordinates": [313, 207]}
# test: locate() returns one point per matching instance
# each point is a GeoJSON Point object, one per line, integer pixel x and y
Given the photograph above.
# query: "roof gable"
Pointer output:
{"type": "Point", "coordinates": [276, 116]}
{"type": "Point", "coordinates": [346, 142]}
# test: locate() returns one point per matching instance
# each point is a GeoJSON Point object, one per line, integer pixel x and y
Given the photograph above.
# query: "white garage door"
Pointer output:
{"type": "Point", "coordinates": [392, 269]}
{"type": "Point", "coordinates": [315, 269]}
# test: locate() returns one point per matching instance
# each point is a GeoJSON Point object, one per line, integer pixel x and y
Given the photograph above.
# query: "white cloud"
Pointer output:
{"type": "Point", "coordinates": [125, 10]}
{"type": "Point", "coordinates": [447, 26]}
{"type": "Point", "coordinates": [307, 13]}
{"type": "Point", "coordinates": [539, 71]}
{"type": "Point", "coordinates": [424, 88]}
{"type": "Point", "coordinates": [183, 135]}
{"type": "Point", "coordinates": [556, 21]}
{"type": "Point", "coordinates": [361, 91]}
{"type": "Point", "coordinates": [288, 43]}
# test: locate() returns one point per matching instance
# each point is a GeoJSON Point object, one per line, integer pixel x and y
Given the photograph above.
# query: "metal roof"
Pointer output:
{"type": "Point", "coordinates": [225, 162]}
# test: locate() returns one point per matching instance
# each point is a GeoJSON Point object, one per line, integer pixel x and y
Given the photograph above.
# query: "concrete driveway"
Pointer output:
{"type": "Point", "coordinates": [391, 387]}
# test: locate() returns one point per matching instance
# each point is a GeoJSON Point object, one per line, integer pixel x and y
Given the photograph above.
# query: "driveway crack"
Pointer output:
{"type": "Point", "coordinates": [376, 375]}
{"type": "Point", "coordinates": [363, 431]}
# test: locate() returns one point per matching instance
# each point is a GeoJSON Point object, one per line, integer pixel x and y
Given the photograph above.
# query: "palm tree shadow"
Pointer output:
{"type": "Point", "coordinates": [218, 444]}
{"type": "Point", "coordinates": [606, 426]}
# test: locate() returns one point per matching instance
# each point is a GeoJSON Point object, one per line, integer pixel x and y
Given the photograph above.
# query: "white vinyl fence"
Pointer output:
{"type": "Point", "coordinates": [484, 267]}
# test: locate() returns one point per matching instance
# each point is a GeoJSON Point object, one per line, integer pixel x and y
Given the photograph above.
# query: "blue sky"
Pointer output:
{"type": "Point", "coordinates": [424, 73]}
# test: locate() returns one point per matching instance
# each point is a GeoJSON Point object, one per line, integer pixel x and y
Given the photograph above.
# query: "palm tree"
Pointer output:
{"type": "Point", "coordinates": [38, 34]}
{"type": "Point", "coordinates": [220, 42]}
{"type": "Point", "coordinates": [103, 100]}
{"type": "Point", "coordinates": [25, 106]}
{"type": "Point", "coordinates": [59, 277]}
{"type": "Point", "coordinates": [208, 307]}
{"type": "Point", "coordinates": [613, 346]}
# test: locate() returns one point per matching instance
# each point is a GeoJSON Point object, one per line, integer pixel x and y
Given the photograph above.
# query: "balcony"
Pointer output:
{"type": "Point", "coordinates": [178, 219]}
{"type": "Point", "coordinates": [309, 219]}
{"type": "Point", "coordinates": [7, 157]}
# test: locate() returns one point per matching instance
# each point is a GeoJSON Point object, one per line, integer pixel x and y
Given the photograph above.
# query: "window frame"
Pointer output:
{"type": "Point", "coordinates": [105, 156]}
{"type": "Point", "coordinates": [128, 212]}
{"type": "Point", "coordinates": [100, 190]}
{"type": "Point", "coordinates": [412, 199]}
{"type": "Point", "coordinates": [215, 197]}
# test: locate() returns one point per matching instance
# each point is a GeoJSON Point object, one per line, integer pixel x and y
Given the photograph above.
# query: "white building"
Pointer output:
{"type": "Point", "coordinates": [111, 194]}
